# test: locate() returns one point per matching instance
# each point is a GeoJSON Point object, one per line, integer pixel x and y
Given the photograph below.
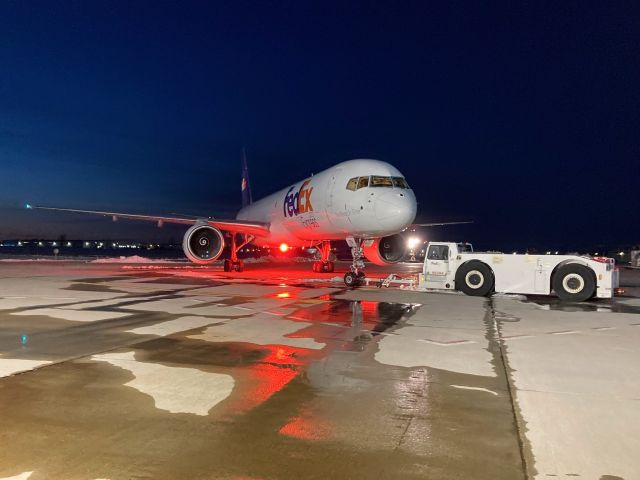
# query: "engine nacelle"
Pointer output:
{"type": "Point", "coordinates": [386, 250]}
{"type": "Point", "coordinates": [203, 244]}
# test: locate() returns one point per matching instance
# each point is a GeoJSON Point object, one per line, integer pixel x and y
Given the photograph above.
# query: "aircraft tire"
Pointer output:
{"type": "Point", "coordinates": [327, 267]}
{"type": "Point", "coordinates": [475, 278]}
{"type": "Point", "coordinates": [227, 265]}
{"type": "Point", "coordinates": [351, 279]}
{"type": "Point", "coordinates": [574, 282]}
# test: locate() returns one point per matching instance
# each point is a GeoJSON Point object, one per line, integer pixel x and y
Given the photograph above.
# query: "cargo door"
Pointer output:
{"type": "Point", "coordinates": [330, 186]}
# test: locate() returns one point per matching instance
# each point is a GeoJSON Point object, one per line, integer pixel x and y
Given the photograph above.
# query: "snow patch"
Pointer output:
{"type": "Point", "coordinates": [176, 390]}
{"type": "Point", "coordinates": [10, 366]}
{"type": "Point", "coordinates": [173, 326]}
{"type": "Point", "coordinates": [260, 330]}
{"type": "Point", "coordinates": [74, 315]}
{"type": "Point", "coordinates": [134, 259]}
{"type": "Point", "coordinates": [20, 476]}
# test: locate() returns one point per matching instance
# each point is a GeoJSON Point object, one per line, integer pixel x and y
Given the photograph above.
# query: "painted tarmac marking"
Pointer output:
{"type": "Point", "coordinates": [564, 332]}
{"type": "Point", "coordinates": [603, 328]}
{"type": "Point", "coordinates": [517, 337]}
{"type": "Point", "coordinates": [174, 389]}
{"type": "Point", "coordinates": [479, 389]}
{"type": "Point", "coordinates": [451, 343]}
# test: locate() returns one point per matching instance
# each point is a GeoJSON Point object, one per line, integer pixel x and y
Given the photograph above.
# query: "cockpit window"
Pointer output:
{"type": "Point", "coordinates": [400, 182]}
{"type": "Point", "coordinates": [363, 182]}
{"type": "Point", "coordinates": [381, 181]}
{"type": "Point", "coordinates": [357, 183]}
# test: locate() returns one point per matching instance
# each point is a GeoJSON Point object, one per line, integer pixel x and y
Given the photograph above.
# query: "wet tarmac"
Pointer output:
{"type": "Point", "coordinates": [120, 372]}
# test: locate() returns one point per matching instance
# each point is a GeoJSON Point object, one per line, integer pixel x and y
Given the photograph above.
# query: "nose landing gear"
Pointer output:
{"type": "Point", "coordinates": [356, 276]}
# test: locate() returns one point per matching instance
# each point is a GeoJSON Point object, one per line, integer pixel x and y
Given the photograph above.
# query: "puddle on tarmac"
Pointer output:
{"type": "Point", "coordinates": [377, 317]}
{"type": "Point", "coordinates": [602, 305]}
{"type": "Point", "coordinates": [365, 419]}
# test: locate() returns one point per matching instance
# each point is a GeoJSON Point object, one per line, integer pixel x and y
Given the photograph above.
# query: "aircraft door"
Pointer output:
{"type": "Point", "coordinates": [330, 187]}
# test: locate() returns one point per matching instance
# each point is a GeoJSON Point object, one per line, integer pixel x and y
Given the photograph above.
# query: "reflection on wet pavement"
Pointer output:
{"type": "Point", "coordinates": [184, 377]}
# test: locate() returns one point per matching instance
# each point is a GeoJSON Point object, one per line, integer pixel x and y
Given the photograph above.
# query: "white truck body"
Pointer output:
{"type": "Point", "coordinates": [447, 267]}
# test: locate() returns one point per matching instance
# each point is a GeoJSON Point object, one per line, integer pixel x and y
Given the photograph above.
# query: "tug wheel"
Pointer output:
{"type": "Point", "coordinates": [574, 282]}
{"type": "Point", "coordinates": [475, 278]}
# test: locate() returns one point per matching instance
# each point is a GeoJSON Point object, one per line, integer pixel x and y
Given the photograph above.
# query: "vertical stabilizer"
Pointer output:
{"type": "Point", "coordinates": [246, 186]}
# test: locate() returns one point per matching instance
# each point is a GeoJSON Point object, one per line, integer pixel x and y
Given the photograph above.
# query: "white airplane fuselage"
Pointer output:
{"type": "Point", "coordinates": [329, 206]}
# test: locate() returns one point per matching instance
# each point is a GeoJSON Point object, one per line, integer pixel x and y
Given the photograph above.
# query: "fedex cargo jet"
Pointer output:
{"type": "Point", "coordinates": [365, 202]}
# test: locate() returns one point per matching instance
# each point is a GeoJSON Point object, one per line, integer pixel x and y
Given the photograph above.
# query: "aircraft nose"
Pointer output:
{"type": "Point", "coordinates": [396, 210]}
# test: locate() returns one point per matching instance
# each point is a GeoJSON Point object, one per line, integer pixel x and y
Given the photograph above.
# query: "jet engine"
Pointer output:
{"type": "Point", "coordinates": [386, 250]}
{"type": "Point", "coordinates": [203, 244]}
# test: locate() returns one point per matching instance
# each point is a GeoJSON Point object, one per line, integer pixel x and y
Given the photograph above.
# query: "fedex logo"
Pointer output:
{"type": "Point", "coordinates": [298, 202]}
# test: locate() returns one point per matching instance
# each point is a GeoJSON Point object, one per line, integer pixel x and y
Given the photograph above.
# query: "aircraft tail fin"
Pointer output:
{"type": "Point", "coordinates": [246, 186]}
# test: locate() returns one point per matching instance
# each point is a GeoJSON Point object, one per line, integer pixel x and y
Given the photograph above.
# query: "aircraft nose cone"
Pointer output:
{"type": "Point", "coordinates": [396, 210]}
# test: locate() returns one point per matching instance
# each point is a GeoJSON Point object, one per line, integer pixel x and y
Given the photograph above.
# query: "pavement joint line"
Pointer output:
{"type": "Point", "coordinates": [528, 470]}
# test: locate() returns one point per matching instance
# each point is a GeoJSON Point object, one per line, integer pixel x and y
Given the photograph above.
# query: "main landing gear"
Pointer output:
{"type": "Point", "coordinates": [324, 265]}
{"type": "Point", "coordinates": [233, 264]}
{"type": "Point", "coordinates": [356, 276]}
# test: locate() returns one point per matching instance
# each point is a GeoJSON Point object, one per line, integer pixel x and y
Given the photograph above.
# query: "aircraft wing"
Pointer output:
{"type": "Point", "coordinates": [257, 229]}
{"type": "Point", "coordinates": [438, 224]}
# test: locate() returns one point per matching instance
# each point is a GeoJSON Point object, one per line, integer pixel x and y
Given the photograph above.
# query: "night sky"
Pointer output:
{"type": "Point", "coordinates": [524, 117]}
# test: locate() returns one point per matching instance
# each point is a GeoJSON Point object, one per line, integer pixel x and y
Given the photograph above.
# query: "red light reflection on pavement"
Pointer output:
{"type": "Point", "coordinates": [258, 383]}
{"type": "Point", "coordinates": [306, 426]}
{"type": "Point", "coordinates": [342, 313]}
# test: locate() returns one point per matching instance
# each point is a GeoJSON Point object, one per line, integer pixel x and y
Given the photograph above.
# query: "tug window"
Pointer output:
{"type": "Point", "coordinates": [352, 184]}
{"type": "Point", "coordinates": [381, 181]}
{"type": "Point", "coordinates": [438, 252]}
{"type": "Point", "coordinates": [363, 182]}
